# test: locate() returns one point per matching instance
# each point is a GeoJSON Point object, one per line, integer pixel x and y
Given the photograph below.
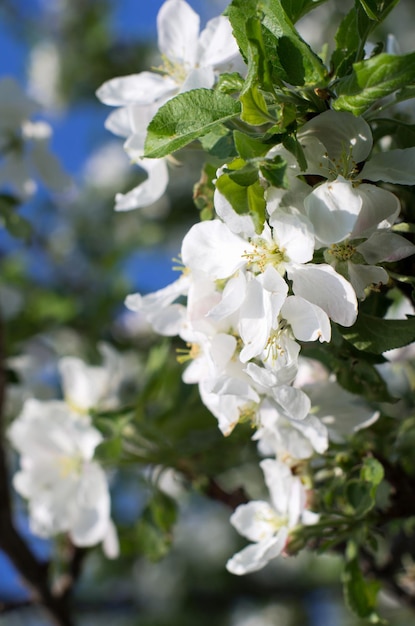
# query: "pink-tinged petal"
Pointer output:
{"type": "Point", "coordinates": [212, 248]}
{"type": "Point", "coordinates": [149, 191]}
{"type": "Point", "coordinates": [333, 208]}
{"type": "Point", "coordinates": [308, 321]}
{"type": "Point", "coordinates": [394, 166]}
{"type": "Point", "coordinates": [217, 45]}
{"type": "Point", "coordinates": [178, 32]}
{"type": "Point", "coordinates": [385, 246]}
{"type": "Point", "coordinates": [254, 520]}
{"type": "Point", "coordinates": [362, 276]}
{"type": "Point", "coordinates": [347, 138]}
{"type": "Point", "coordinates": [323, 286]}
{"type": "Point", "coordinates": [379, 209]}
{"type": "Point", "coordinates": [143, 88]}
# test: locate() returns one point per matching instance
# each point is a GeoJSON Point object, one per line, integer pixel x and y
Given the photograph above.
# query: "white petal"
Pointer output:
{"type": "Point", "coordinates": [212, 248]}
{"type": "Point", "coordinates": [232, 297]}
{"type": "Point", "coordinates": [379, 209]}
{"type": "Point", "coordinates": [198, 78]}
{"type": "Point", "coordinates": [178, 32]}
{"type": "Point", "coordinates": [308, 321]}
{"type": "Point", "coordinates": [256, 556]}
{"type": "Point", "coordinates": [295, 404]}
{"type": "Point", "coordinates": [92, 508]}
{"type": "Point", "coordinates": [294, 234]}
{"type": "Point", "coordinates": [149, 191]}
{"type": "Point", "coordinates": [238, 224]}
{"type": "Point", "coordinates": [254, 520]}
{"type": "Point", "coordinates": [395, 166]}
{"type": "Point", "coordinates": [333, 208]}
{"type": "Point", "coordinates": [143, 88]}
{"type": "Point", "coordinates": [323, 286]}
{"type": "Point", "coordinates": [385, 246]}
{"type": "Point", "coordinates": [217, 44]}
{"type": "Point", "coordinates": [118, 122]}
{"type": "Point", "coordinates": [343, 135]}
{"type": "Point", "coordinates": [362, 276]}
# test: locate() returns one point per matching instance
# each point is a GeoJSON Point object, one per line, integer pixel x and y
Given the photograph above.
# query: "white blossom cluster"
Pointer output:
{"type": "Point", "coordinates": [67, 490]}
{"type": "Point", "coordinates": [245, 301]}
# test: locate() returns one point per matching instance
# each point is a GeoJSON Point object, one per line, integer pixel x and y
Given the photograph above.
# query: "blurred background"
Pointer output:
{"type": "Point", "coordinates": [65, 272]}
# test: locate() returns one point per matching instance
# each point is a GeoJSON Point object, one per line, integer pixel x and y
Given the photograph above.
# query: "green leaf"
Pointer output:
{"type": "Point", "coordinates": [164, 511]}
{"type": "Point", "coordinates": [301, 65]}
{"type": "Point", "coordinates": [254, 108]}
{"type": "Point", "coordinates": [347, 44]}
{"type": "Point", "coordinates": [372, 471]}
{"type": "Point", "coordinates": [230, 83]}
{"type": "Point", "coordinates": [151, 541]}
{"type": "Point", "coordinates": [245, 176]}
{"type": "Point", "coordinates": [249, 147]}
{"type": "Point", "coordinates": [376, 335]}
{"type": "Point", "coordinates": [290, 57]}
{"type": "Point", "coordinates": [298, 8]}
{"type": "Point", "coordinates": [187, 117]}
{"type": "Point", "coordinates": [17, 225]}
{"type": "Point", "coordinates": [219, 143]}
{"type": "Point", "coordinates": [275, 172]}
{"type": "Point", "coordinates": [245, 200]}
{"type": "Point", "coordinates": [360, 594]}
{"type": "Point", "coordinates": [377, 10]}
{"type": "Point", "coordinates": [360, 496]}
{"type": "Point", "coordinates": [373, 79]}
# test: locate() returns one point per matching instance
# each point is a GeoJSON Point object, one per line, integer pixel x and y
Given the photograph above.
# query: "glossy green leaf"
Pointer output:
{"type": "Point", "coordinates": [376, 335]}
{"type": "Point", "coordinates": [373, 79]}
{"type": "Point", "coordinates": [187, 117]}
{"type": "Point", "coordinates": [295, 9]}
{"type": "Point", "coordinates": [360, 594]}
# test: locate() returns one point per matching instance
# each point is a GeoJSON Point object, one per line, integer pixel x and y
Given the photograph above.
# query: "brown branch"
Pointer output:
{"type": "Point", "coordinates": [33, 572]}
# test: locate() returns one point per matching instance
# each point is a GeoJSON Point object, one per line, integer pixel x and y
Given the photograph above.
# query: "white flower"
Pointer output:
{"type": "Point", "coordinates": [189, 61]}
{"type": "Point", "coordinates": [336, 144]}
{"type": "Point", "coordinates": [88, 387]}
{"type": "Point", "coordinates": [67, 491]}
{"type": "Point", "coordinates": [268, 525]}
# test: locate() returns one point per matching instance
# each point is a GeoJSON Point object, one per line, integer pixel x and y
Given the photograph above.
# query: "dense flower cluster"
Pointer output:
{"type": "Point", "coordinates": [66, 488]}
{"type": "Point", "coordinates": [246, 300]}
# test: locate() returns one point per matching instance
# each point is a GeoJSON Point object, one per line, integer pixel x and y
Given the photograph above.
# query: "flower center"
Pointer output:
{"type": "Point", "coordinates": [342, 251]}
{"type": "Point", "coordinates": [68, 465]}
{"type": "Point", "coordinates": [190, 353]}
{"type": "Point", "coordinates": [265, 253]}
{"type": "Point", "coordinates": [176, 71]}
